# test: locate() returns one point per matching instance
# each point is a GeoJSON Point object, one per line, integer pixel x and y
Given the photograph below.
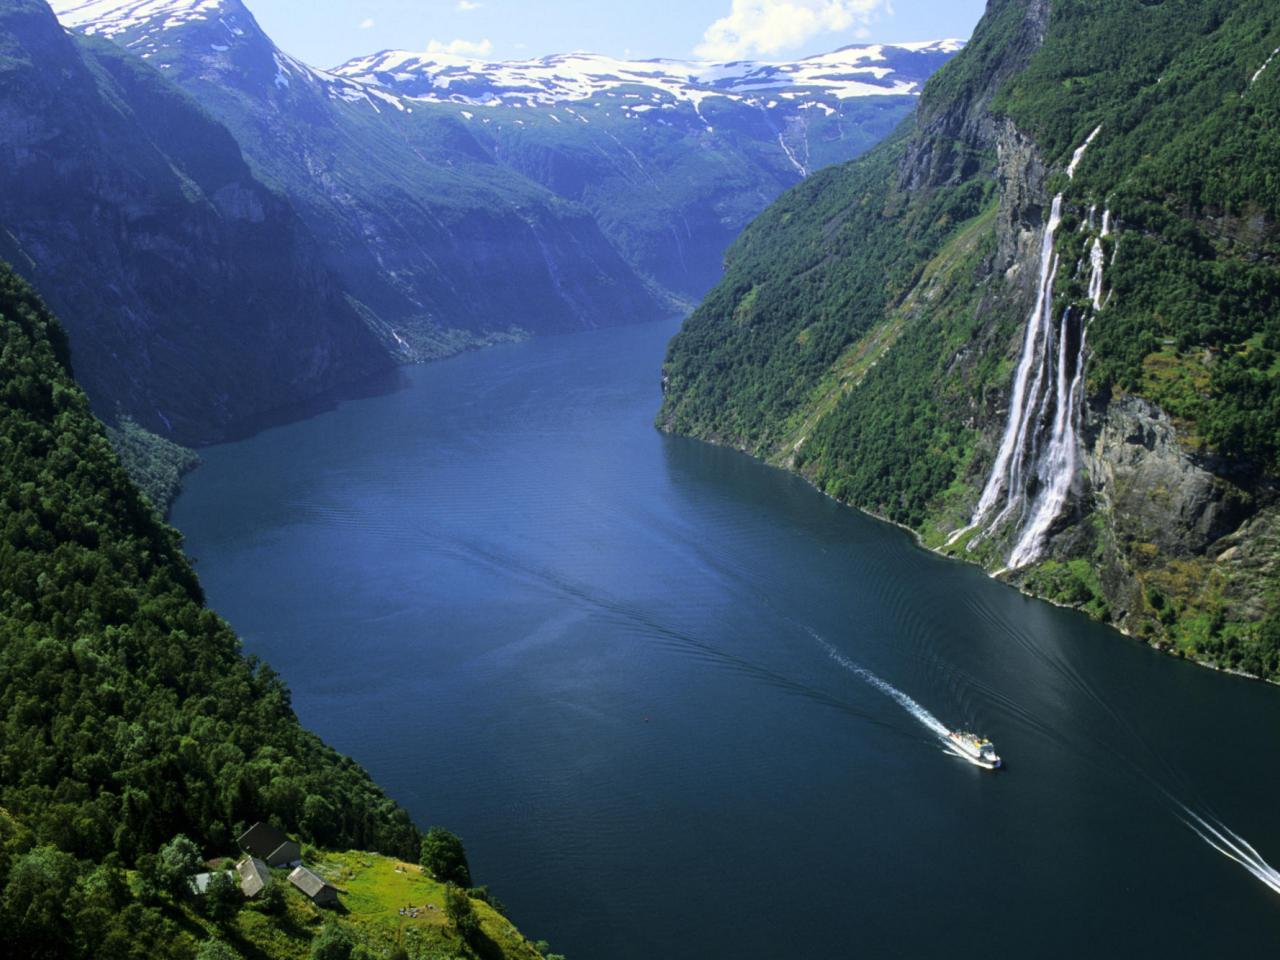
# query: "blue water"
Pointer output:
{"type": "Point", "coordinates": [636, 674]}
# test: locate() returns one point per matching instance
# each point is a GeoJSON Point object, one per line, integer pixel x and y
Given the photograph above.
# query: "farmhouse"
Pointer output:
{"type": "Point", "coordinates": [271, 845]}
{"type": "Point", "coordinates": [254, 875]}
{"type": "Point", "coordinates": [322, 894]}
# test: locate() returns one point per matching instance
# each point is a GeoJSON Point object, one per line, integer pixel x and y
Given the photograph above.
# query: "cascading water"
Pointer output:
{"type": "Point", "coordinates": [1041, 437]}
{"type": "Point", "coordinates": [1027, 382]}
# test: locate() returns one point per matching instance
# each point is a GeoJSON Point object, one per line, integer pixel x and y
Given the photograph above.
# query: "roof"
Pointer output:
{"type": "Point", "coordinates": [262, 839]}
{"type": "Point", "coordinates": [309, 883]}
{"type": "Point", "coordinates": [254, 876]}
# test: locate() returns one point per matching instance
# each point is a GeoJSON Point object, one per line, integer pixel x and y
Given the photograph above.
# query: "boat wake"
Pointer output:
{"type": "Point", "coordinates": [926, 719]}
{"type": "Point", "coordinates": [1232, 846]}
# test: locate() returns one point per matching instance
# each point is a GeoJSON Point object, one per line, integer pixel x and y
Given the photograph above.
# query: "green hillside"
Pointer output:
{"type": "Point", "coordinates": [128, 714]}
{"type": "Point", "coordinates": [869, 323]}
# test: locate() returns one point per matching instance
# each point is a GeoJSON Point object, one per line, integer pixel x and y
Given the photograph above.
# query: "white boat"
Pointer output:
{"type": "Point", "coordinates": [977, 750]}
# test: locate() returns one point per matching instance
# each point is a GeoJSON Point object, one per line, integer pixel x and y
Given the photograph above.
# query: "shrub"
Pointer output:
{"type": "Point", "coordinates": [443, 855]}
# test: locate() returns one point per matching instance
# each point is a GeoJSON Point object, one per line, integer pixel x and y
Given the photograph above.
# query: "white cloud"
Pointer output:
{"type": "Point", "coordinates": [465, 5]}
{"type": "Point", "coordinates": [366, 24]}
{"type": "Point", "coordinates": [461, 48]}
{"type": "Point", "coordinates": [771, 26]}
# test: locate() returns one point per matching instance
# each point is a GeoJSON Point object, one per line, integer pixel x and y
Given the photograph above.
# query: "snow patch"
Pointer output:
{"type": "Point", "coordinates": [858, 71]}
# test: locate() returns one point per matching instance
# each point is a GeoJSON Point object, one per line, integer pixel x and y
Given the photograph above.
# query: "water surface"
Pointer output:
{"type": "Point", "coordinates": [624, 667]}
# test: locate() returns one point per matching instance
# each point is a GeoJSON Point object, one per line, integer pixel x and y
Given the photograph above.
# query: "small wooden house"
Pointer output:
{"type": "Point", "coordinates": [322, 893]}
{"type": "Point", "coordinates": [271, 845]}
{"type": "Point", "coordinates": [254, 876]}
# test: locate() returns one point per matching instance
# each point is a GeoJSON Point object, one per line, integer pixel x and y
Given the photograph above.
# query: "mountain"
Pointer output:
{"type": "Point", "coordinates": [1037, 324]}
{"type": "Point", "coordinates": [442, 245]}
{"type": "Point", "coordinates": [195, 297]}
{"type": "Point", "coordinates": [460, 216]}
{"type": "Point", "coordinates": [128, 713]}
{"type": "Point", "coordinates": [672, 157]}
{"type": "Point", "coordinates": [821, 82]}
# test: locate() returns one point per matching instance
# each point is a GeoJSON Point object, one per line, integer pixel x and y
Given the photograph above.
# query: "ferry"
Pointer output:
{"type": "Point", "coordinates": [977, 750]}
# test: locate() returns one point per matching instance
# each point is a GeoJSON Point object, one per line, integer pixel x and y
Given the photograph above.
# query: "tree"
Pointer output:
{"type": "Point", "coordinates": [333, 943]}
{"type": "Point", "coordinates": [457, 907]}
{"type": "Point", "coordinates": [176, 862]}
{"type": "Point", "coordinates": [271, 899]}
{"type": "Point", "coordinates": [443, 855]}
{"type": "Point", "coordinates": [34, 906]}
{"type": "Point", "coordinates": [223, 898]}
{"type": "Point", "coordinates": [320, 821]}
{"type": "Point", "coordinates": [216, 950]}
{"type": "Point", "coordinates": [150, 882]}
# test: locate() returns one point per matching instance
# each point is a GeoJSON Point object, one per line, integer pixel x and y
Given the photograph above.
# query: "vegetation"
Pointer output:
{"type": "Point", "coordinates": [154, 464]}
{"type": "Point", "coordinates": [863, 333]}
{"type": "Point", "coordinates": [135, 738]}
{"type": "Point", "coordinates": [444, 856]}
{"type": "Point", "coordinates": [1184, 163]}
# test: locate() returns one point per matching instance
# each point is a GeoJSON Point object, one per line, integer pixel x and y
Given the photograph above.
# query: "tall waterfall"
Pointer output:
{"type": "Point", "coordinates": [1038, 458]}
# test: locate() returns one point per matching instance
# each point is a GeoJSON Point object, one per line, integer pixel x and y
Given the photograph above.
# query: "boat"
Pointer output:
{"type": "Point", "coordinates": [977, 750]}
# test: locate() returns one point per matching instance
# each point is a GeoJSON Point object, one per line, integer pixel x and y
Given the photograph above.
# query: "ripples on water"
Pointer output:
{"type": "Point", "coordinates": [646, 680]}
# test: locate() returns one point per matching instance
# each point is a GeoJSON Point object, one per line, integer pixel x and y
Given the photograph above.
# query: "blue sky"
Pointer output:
{"type": "Point", "coordinates": [332, 31]}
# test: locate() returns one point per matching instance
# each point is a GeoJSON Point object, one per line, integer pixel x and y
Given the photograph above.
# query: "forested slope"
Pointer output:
{"type": "Point", "coordinates": [871, 323]}
{"type": "Point", "coordinates": [128, 713]}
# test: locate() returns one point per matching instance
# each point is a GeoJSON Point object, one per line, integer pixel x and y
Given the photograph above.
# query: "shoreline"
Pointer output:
{"type": "Point", "coordinates": [1167, 650]}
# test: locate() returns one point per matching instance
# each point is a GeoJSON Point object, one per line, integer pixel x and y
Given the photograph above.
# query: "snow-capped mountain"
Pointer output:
{"type": "Point", "coordinates": [111, 17]}
{"type": "Point", "coordinates": [856, 71]}
{"type": "Point", "coordinates": [611, 188]}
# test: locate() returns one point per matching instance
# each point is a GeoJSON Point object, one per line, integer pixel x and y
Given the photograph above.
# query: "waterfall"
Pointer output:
{"type": "Point", "coordinates": [1027, 383]}
{"type": "Point", "coordinates": [1096, 259]}
{"type": "Point", "coordinates": [1079, 154]}
{"type": "Point", "coordinates": [1038, 458]}
{"type": "Point", "coordinates": [1057, 468]}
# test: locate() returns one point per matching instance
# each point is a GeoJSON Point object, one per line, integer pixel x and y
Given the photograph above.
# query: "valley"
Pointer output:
{"type": "Point", "coordinates": [652, 468]}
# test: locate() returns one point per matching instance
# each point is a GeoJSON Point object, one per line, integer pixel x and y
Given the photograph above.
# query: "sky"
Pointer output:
{"type": "Point", "coordinates": [325, 33]}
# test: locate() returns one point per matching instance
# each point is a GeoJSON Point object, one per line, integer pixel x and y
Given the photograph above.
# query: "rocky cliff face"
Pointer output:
{"type": "Point", "coordinates": [1050, 353]}
{"type": "Point", "coordinates": [194, 296]}
{"type": "Point", "coordinates": [1169, 526]}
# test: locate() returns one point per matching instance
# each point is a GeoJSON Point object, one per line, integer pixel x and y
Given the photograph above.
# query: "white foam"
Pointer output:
{"type": "Point", "coordinates": [926, 719]}
{"type": "Point", "coordinates": [1234, 847]}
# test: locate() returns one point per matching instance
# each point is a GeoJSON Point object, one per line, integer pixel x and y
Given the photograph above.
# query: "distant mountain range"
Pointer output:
{"type": "Point", "coordinates": [444, 202]}
{"type": "Point", "coordinates": [820, 82]}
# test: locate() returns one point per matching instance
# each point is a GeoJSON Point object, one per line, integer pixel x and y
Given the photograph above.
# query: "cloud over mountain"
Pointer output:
{"type": "Point", "coordinates": [768, 27]}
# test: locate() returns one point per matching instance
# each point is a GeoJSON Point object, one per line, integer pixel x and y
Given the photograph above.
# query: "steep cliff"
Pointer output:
{"type": "Point", "coordinates": [194, 296]}
{"type": "Point", "coordinates": [441, 245]}
{"type": "Point", "coordinates": [1038, 326]}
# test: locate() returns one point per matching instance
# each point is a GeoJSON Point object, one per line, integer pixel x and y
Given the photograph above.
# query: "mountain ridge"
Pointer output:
{"type": "Point", "coordinates": [1077, 201]}
{"type": "Point", "coordinates": [137, 217]}
{"type": "Point", "coordinates": [667, 193]}
{"type": "Point", "coordinates": [854, 70]}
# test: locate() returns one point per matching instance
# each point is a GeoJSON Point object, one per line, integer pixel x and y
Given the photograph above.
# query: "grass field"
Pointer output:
{"type": "Point", "coordinates": [373, 891]}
